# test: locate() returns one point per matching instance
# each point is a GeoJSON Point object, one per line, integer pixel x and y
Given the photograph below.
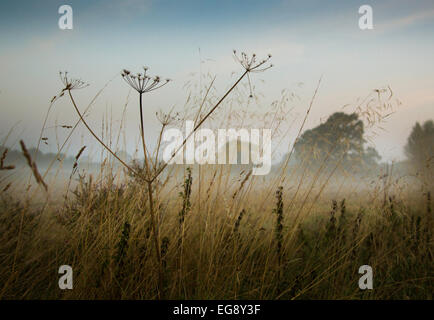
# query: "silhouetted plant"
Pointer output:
{"type": "Point", "coordinates": [342, 221]}
{"type": "Point", "coordinates": [3, 157]}
{"type": "Point", "coordinates": [238, 222]}
{"type": "Point", "coordinates": [185, 195]}
{"type": "Point", "coordinates": [142, 83]}
{"type": "Point", "coordinates": [331, 225]}
{"type": "Point", "coordinates": [121, 252]}
{"type": "Point", "coordinates": [278, 231]}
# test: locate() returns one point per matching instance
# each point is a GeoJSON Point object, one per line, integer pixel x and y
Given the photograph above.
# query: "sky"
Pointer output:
{"type": "Point", "coordinates": [182, 40]}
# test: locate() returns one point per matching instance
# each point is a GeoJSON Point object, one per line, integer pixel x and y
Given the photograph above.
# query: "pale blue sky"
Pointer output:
{"type": "Point", "coordinates": [307, 39]}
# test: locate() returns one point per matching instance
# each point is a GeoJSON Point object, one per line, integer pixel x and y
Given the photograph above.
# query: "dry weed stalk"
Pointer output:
{"type": "Point", "coordinates": [7, 187]}
{"type": "Point", "coordinates": [72, 84]}
{"type": "Point", "coordinates": [278, 211]}
{"type": "Point", "coordinates": [74, 170]}
{"type": "Point", "coordinates": [2, 159]}
{"type": "Point", "coordinates": [33, 166]}
{"type": "Point", "coordinates": [249, 65]}
{"type": "Point", "coordinates": [143, 83]}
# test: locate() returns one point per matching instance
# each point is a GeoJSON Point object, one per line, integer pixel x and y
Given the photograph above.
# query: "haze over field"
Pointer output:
{"type": "Point", "coordinates": [183, 40]}
{"type": "Point", "coordinates": [340, 119]}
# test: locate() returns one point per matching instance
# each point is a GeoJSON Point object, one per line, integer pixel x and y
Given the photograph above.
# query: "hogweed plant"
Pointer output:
{"type": "Point", "coordinates": [249, 65]}
{"type": "Point", "coordinates": [143, 83]}
{"type": "Point", "coordinates": [74, 84]}
{"type": "Point", "coordinates": [235, 245]}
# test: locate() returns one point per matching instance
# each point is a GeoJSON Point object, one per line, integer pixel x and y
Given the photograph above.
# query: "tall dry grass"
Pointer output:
{"type": "Point", "coordinates": [153, 231]}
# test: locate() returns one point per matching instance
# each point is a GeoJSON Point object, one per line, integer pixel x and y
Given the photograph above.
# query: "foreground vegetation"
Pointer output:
{"type": "Point", "coordinates": [227, 243]}
{"type": "Point", "coordinates": [149, 230]}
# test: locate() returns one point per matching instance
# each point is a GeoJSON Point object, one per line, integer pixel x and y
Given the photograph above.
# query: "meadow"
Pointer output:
{"type": "Point", "coordinates": [146, 230]}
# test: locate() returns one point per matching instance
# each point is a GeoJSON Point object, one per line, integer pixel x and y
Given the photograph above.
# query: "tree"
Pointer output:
{"type": "Point", "coordinates": [371, 157]}
{"type": "Point", "coordinates": [339, 139]}
{"type": "Point", "coordinates": [420, 145]}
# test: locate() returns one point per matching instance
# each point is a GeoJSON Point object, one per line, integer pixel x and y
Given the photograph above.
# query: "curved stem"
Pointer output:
{"type": "Point", "coordinates": [97, 138]}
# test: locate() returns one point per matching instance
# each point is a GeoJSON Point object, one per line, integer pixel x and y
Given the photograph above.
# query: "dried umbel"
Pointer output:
{"type": "Point", "coordinates": [141, 82]}
{"type": "Point", "coordinates": [251, 64]}
{"type": "Point", "coordinates": [166, 118]}
{"type": "Point", "coordinates": [71, 83]}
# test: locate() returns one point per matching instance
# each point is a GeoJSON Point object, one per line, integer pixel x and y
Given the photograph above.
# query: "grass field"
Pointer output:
{"type": "Point", "coordinates": [214, 232]}
{"type": "Point", "coordinates": [236, 240]}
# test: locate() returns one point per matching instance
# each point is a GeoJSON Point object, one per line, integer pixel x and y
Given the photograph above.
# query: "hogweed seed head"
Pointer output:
{"type": "Point", "coordinates": [142, 82]}
{"type": "Point", "coordinates": [166, 118]}
{"type": "Point", "coordinates": [70, 83]}
{"type": "Point", "coordinates": [251, 64]}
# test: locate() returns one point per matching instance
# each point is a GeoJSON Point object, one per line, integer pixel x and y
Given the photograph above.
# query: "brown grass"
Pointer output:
{"type": "Point", "coordinates": [152, 231]}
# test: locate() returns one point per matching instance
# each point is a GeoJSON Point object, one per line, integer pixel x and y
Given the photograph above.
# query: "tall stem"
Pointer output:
{"type": "Point", "coordinates": [199, 124]}
{"type": "Point", "coordinates": [151, 208]}
{"type": "Point", "coordinates": [142, 134]}
{"type": "Point", "coordinates": [156, 242]}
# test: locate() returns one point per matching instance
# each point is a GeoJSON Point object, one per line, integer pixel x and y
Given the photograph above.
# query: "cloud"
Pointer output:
{"type": "Point", "coordinates": [113, 10]}
{"type": "Point", "coordinates": [129, 7]}
{"type": "Point", "coordinates": [405, 21]}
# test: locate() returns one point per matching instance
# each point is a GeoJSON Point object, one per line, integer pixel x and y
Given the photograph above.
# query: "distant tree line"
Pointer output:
{"type": "Point", "coordinates": [337, 142]}
{"type": "Point", "coordinates": [15, 157]}
{"type": "Point", "coordinates": [420, 149]}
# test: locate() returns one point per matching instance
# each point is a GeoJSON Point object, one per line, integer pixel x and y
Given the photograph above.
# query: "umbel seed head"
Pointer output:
{"type": "Point", "coordinates": [251, 64]}
{"type": "Point", "coordinates": [71, 84]}
{"type": "Point", "coordinates": [166, 118]}
{"type": "Point", "coordinates": [141, 82]}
